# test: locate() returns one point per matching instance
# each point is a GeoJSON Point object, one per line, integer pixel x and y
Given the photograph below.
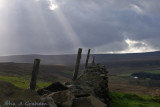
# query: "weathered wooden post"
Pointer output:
{"type": "Point", "coordinates": [93, 60]}
{"type": "Point", "coordinates": [34, 74]}
{"type": "Point", "coordinates": [87, 58]}
{"type": "Point", "coordinates": [77, 64]}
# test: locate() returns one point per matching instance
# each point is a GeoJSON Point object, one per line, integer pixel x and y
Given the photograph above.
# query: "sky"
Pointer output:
{"type": "Point", "coordinates": [62, 26]}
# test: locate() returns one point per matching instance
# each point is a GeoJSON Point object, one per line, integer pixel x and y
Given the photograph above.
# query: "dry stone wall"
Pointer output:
{"type": "Point", "coordinates": [89, 90]}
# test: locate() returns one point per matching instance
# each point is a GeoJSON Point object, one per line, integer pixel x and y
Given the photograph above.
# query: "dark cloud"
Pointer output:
{"type": "Point", "coordinates": [30, 26]}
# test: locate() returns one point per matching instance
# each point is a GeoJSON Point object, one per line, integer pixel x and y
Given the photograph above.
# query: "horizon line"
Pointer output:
{"type": "Point", "coordinates": [109, 53]}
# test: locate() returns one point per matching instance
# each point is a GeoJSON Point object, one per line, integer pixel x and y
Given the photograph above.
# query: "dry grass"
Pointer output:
{"type": "Point", "coordinates": [9, 92]}
{"type": "Point", "coordinates": [122, 84]}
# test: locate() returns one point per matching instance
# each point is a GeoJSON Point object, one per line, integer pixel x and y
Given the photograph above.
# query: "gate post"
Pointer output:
{"type": "Point", "coordinates": [77, 64]}
{"type": "Point", "coordinates": [87, 58]}
{"type": "Point", "coordinates": [34, 74]}
{"type": "Point", "coordinates": [93, 60]}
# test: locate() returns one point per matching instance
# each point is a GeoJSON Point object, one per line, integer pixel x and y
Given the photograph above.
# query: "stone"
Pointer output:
{"type": "Point", "coordinates": [75, 74]}
{"type": "Point", "coordinates": [49, 100]}
{"type": "Point", "coordinates": [67, 83]}
{"type": "Point", "coordinates": [96, 102]}
{"type": "Point", "coordinates": [57, 86]}
{"type": "Point", "coordinates": [82, 95]}
{"type": "Point", "coordinates": [54, 87]}
{"type": "Point", "coordinates": [90, 101]}
{"type": "Point", "coordinates": [43, 92]}
{"type": "Point", "coordinates": [94, 81]}
{"type": "Point", "coordinates": [81, 102]}
{"type": "Point", "coordinates": [62, 98]}
{"type": "Point", "coordinates": [34, 74]}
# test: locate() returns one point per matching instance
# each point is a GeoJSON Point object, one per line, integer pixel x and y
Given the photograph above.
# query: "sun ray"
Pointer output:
{"type": "Point", "coordinates": [71, 34]}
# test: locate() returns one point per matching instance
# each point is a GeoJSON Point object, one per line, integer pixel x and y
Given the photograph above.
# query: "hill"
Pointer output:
{"type": "Point", "coordinates": [70, 59]}
{"type": "Point", "coordinates": [61, 67]}
{"type": "Point", "coordinates": [115, 63]}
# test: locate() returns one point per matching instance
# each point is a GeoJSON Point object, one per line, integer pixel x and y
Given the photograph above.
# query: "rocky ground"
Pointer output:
{"type": "Point", "coordinates": [89, 90]}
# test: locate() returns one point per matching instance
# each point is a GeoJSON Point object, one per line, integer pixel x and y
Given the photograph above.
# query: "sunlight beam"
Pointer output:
{"type": "Point", "coordinates": [67, 26]}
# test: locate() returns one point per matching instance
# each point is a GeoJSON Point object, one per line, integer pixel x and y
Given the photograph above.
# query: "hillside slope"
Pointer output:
{"type": "Point", "coordinates": [11, 95]}
{"type": "Point", "coordinates": [70, 59]}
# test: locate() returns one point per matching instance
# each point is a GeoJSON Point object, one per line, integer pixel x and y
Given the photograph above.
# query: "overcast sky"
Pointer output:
{"type": "Point", "coordinates": [63, 26]}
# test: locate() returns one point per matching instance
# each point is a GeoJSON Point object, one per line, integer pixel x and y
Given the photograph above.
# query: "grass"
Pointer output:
{"type": "Point", "coordinates": [125, 75]}
{"type": "Point", "coordinates": [153, 71]}
{"type": "Point", "coordinates": [11, 93]}
{"type": "Point", "coordinates": [150, 71]}
{"type": "Point", "coordinates": [23, 82]}
{"type": "Point", "coordinates": [119, 99]}
{"type": "Point", "coordinates": [132, 100]}
{"type": "Point", "coordinates": [70, 73]}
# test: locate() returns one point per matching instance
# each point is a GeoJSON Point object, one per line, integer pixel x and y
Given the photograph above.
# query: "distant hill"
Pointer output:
{"type": "Point", "coordinates": [128, 57]}
{"type": "Point", "coordinates": [45, 59]}
{"type": "Point", "coordinates": [70, 59]}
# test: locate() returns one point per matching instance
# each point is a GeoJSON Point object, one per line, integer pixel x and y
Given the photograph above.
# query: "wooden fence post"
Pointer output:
{"type": "Point", "coordinates": [93, 60]}
{"type": "Point", "coordinates": [87, 58]}
{"type": "Point", "coordinates": [77, 64]}
{"type": "Point", "coordinates": [34, 74]}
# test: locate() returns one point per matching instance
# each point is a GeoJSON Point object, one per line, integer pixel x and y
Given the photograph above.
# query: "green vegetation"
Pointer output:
{"type": "Point", "coordinates": [23, 82]}
{"type": "Point", "coordinates": [145, 75]}
{"type": "Point", "coordinates": [132, 100]}
{"type": "Point", "coordinates": [67, 72]}
{"type": "Point", "coordinates": [153, 71]}
{"type": "Point", "coordinates": [125, 75]}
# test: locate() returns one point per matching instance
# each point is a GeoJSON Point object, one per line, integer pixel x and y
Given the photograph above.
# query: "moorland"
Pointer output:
{"type": "Point", "coordinates": [123, 88]}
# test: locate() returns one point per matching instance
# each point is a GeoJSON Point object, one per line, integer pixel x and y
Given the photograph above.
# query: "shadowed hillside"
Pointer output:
{"type": "Point", "coordinates": [70, 58]}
